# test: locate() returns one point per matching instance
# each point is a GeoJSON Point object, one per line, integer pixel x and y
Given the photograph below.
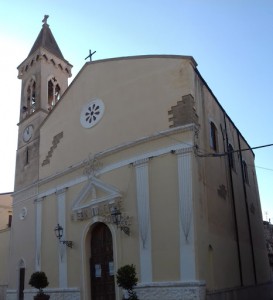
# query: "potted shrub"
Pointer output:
{"type": "Point", "coordinates": [126, 279]}
{"type": "Point", "coordinates": [39, 281]}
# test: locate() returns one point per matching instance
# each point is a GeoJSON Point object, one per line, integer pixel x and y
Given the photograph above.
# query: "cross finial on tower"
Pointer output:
{"type": "Point", "coordinates": [45, 19]}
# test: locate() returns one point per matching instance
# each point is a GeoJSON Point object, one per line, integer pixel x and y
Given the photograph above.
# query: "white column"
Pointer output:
{"type": "Point", "coordinates": [186, 215]}
{"type": "Point", "coordinates": [38, 233]}
{"type": "Point", "coordinates": [62, 247]}
{"type": "Point", "coordinates": [144, 224]}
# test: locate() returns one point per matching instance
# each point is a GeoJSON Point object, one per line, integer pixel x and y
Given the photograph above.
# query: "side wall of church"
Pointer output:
{"type": "Point", "coordinates": [230, 214]}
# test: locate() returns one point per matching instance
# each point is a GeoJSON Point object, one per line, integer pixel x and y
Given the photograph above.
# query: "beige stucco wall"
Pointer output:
{"type": "Point", "coordinates": [5, 211]}
{"type": "Point", "coordinates": [163, 207]}
{"type": "Point", "coordinates": [137, 94]}
{"type": "Point", "coordinates": [4, 255]}
{"type": "Point", "coordinates": [22, 241]}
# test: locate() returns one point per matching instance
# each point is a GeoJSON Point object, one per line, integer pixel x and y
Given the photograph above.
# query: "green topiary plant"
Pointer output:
{"type": "Point", "coordinates": [39, 281]}
{"type": "Point", "coordinates": [126, 279]}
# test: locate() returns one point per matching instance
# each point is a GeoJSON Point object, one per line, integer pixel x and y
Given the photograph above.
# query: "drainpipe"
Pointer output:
{"type": "Point", "coordinates": [234, 207]}
{"type": "Point", "coordinates": [247, 211]}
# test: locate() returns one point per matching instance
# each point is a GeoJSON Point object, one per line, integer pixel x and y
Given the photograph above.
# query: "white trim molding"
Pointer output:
{"type": "Point", "coordinates": [174, 290]}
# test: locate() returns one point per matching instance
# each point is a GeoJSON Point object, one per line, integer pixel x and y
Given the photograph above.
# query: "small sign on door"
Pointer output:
{"type": "Point", "coordinates": [97, 270]}
{"type": "Point", "coordinates": [111, 268]}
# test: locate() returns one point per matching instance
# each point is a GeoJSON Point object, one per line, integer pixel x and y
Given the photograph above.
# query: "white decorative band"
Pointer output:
{"type": "Point", "coordinates": [141, 161]}
{"type": "Point", "coordinates": [184, 150]}
{"type": "Point", "coordinates": [192, 290]}
{"type": "Point", "coordinates": [61, 191]}
{"type": "Point", "coordinates": [11, 295]}
{"type": "Point", "coordinates": [55, 294]}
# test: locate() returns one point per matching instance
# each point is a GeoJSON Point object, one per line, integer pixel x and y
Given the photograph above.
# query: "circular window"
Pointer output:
{"type": "Point", "coordinates": [92, 113]}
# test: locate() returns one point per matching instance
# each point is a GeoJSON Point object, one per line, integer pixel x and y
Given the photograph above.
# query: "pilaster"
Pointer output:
{"type": "Point", "coordinates": [144, 223]}
{"type": "Point", "coordinates": [38, 233]}
{"type": "Point", "coordinates": [61, 197]}
{"type": "Point", "coordinates": [186, 215]}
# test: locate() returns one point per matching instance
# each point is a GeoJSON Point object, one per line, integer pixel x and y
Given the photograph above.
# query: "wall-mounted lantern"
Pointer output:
{"type": "Point", "coordinates": [121, 221]}
{"type": "Point", "coordinates": [59, 234]}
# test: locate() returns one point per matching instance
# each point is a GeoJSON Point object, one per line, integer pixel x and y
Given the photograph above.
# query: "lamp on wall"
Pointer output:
{"type": "Point", "coordinates": [118, 219]}
{"type": "Point", "coordinates": [59, 234]}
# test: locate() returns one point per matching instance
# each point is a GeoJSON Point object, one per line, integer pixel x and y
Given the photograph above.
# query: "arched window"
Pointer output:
{"type": "Point", "coordinates": [213, 137]}
{"type": "Point", "coordinates": [54, 92]}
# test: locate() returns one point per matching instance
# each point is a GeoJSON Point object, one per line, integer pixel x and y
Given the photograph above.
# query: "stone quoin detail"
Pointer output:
{"type": "Point", "coordinates": [55, 142]}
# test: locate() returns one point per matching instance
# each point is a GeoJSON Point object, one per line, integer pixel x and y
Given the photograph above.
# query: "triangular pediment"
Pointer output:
{"type": "Point", "coordinates": [94, 192]}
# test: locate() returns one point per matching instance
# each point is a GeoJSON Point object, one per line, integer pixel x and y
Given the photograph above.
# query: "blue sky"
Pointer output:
{"type": "Point", "coordinates": [231, 40]}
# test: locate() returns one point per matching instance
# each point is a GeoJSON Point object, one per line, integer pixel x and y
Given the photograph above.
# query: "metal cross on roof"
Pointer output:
{"type": "Point", "coordinates": [45, 19]}
{"type": "Point", "coordinates": [90, 55]}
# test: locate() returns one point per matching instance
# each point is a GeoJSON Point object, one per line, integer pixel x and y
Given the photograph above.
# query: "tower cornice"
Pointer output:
{"type": "Point", "coordinates": [47, 56]}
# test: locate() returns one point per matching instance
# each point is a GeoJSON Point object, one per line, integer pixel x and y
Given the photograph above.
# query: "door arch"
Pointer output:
{"type": "Point", "coordinates": [102, 263]}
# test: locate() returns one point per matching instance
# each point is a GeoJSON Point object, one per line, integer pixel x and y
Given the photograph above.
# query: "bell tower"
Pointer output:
{"type": "Point", "coordinates": [44, 74]}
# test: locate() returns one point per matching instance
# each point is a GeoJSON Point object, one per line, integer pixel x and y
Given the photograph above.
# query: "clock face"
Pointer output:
{"type": "Point", "coordinates": [27, 134]}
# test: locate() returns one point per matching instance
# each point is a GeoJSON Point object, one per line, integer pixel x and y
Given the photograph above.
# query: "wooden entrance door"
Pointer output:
{"type": "Point", "coordinates": [102, 264]}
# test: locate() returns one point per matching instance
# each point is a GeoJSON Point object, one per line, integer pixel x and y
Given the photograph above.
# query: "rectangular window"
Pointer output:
{"type": "Point", "coordinates": [245, 172]}
{"type": "Point", "coordinates": [10, 219]}
{"type": "Point", "coordinates": [231, 156]}
{"type": "Point", "coordinates": [213, 136]}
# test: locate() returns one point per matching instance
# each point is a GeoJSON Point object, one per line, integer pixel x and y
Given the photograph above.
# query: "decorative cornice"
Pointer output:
{"type": "Point", "coordinates": [141, 161]}
{"type": "Point", "coordinates": [155, 136]}
{"type": "Point", "coordinates": [184, 150]}
{"type": "Point", "coordinates": [110, 151]}
{"type": "Point", "coordinates": [61, 191]}
{"type": "Point", "coordinates": [43, 54]}
{"type": "Point", "coordinates": [155, 153]}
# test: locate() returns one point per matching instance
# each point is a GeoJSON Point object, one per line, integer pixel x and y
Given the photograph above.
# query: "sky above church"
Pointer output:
{"type": "Point", "coordinates": [232, 42]}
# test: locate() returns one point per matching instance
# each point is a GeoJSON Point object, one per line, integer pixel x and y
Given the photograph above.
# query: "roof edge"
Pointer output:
{"type": "Point", "coordinates": [172, 56]}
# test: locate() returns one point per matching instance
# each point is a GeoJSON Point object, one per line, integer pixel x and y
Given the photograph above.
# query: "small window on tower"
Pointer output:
{"type": "Point", "coordinates": [27, 156]}
{"type": "Point", "coordinates": [57, 92]}
{"type": "Point", "coordinates": [31, 98]}
{"type": "Point", "coordinates": [50, 93]}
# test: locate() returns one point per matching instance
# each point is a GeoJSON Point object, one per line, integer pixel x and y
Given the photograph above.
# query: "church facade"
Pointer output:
{"type": "Point", "coordinates": [136, 162]}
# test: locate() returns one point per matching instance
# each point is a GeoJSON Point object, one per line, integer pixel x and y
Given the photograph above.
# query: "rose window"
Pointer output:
{"type": "Point", "coordinates": [92, 113]}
